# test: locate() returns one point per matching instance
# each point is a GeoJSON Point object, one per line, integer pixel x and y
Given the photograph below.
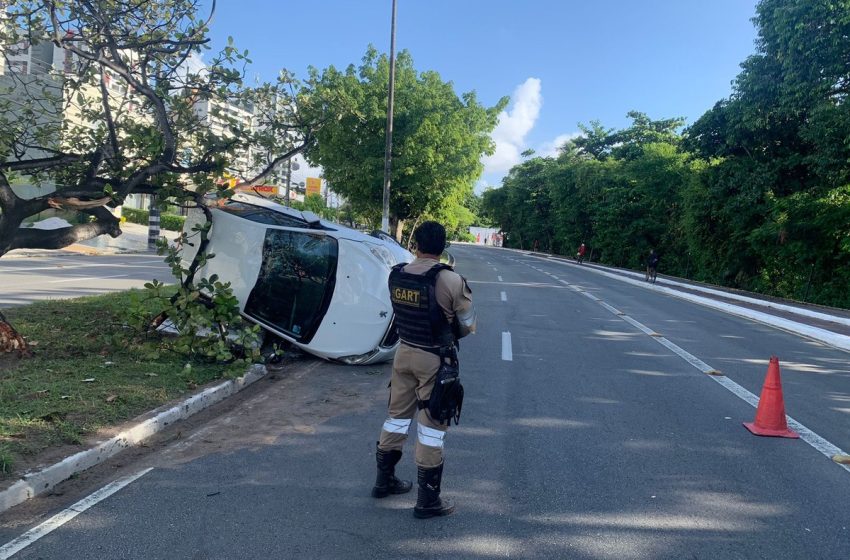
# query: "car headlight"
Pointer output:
{"type": "Point", "coordinates": [358, 359]}
{"type": "Point", "coordinates": [384, 255]}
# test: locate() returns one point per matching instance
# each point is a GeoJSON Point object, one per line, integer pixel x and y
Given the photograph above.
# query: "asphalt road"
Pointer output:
{"type": "Point", "coordinates": [593, 441]}
{"type": "Point", "coordinates": [25, 280]}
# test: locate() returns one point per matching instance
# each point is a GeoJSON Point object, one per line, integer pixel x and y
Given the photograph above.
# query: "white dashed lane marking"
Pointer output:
{"type": "Point", "coordinates": [820, 444]}
{"type": "Point", "coordinates": [507, 350]}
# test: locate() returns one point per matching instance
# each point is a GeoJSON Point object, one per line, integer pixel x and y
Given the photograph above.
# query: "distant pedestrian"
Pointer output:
{"type": "Point", "coordinates": [652, 266]}
{"type": "Point", "coordinates": [536, 245]}
{"type": "Point", "coordinates": [580, 254]}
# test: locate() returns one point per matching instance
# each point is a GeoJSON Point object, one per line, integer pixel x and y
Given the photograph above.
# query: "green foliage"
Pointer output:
{"type": "Point", "coordinates": [314, 203]}
{"type": "Point", "coordinates": [135, 215]}
{"type": "Point", "coordinates": [438, 136]}
{"type": "Point", "coordinates": [131, 113]}
{"type": "Point", "coordinates": [204, 311]}
{"type": "Point", "coordinates": [170, 222]}
{"type": "Point", "coordinates": [755, 194]}
{"type": "Point", "coordinates": [88, 371]}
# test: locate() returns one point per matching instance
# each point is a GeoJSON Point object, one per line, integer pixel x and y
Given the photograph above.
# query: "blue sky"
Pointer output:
{"type": "Point", "coordinates": [562, 61]}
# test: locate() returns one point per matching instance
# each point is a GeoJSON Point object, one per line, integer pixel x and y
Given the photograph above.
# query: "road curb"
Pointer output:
{"type": "Point", "coordinates": [830, 338]}
{"type": "Point", "coordinates": [72, 251]}
{"type": "Point", "coordinates": [43, 480]}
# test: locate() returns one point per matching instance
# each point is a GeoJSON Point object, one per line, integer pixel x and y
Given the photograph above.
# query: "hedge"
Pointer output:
{"type": "Point", "coordinates": [169, 222]}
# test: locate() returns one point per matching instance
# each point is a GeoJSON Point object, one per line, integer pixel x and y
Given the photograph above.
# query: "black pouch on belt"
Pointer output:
{"type": "Point", "coordinates": [446, 399]}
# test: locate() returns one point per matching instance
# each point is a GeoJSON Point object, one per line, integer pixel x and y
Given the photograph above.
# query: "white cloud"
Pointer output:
{"type": "Point", "coordinates": [509, 135]}
{"type": "Point", "coordinates": [514, 125]}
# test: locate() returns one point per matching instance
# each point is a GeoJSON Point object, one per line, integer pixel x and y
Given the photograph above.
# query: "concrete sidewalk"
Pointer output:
{"type": "Point", "coordinates": [134, 239]}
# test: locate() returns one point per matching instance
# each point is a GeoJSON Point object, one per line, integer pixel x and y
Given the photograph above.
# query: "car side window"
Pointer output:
{"type": "Point", "coordinates": [295, 283]}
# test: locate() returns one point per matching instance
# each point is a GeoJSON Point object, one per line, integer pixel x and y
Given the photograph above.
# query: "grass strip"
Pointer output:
{"type": "Point", "coordinates": [88, 371]}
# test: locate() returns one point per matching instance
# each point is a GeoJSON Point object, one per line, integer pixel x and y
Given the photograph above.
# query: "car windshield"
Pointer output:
{"type": "Point", "coordinates": [295, 283]}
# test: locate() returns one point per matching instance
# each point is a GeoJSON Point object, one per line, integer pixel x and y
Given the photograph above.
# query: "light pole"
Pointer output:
{"type": "Point", "coordinates": [290, 167]}
{"type": "Point", "coordinates": [388, 158]}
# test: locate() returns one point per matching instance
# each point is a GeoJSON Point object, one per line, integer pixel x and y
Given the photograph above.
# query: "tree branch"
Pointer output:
{"type": "Point", "coordinates": [43, 163]}
{"type": "Point", "coordinates": [32, 238]}
{"type": "Point", "coordinates": [107, 110]}
{"type": "Point", "coordinates": [72, 203]}
{"type": "Point", "coordinates": [269, 169]}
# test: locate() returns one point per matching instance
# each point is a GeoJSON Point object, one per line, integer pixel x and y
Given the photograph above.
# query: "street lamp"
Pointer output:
{"type": "Point", "coordinates": [290, 167]}
{"type": "Point", "coordinates": [385, 217]}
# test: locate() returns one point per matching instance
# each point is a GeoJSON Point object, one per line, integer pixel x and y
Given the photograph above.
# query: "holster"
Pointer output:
{"type": "Point", "coordinates": [446, 400]}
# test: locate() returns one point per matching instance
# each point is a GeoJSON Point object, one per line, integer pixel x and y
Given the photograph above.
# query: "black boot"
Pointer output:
{"type": "Point", "coordinates": [386, 483]}
{"type": "Point", "coordinates": [428, 502]}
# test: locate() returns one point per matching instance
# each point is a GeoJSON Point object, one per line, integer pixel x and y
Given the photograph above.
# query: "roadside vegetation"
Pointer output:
{"type": "Point", "coordinates": [754, 195]}
{"type": "Point", "coordinates": [90, 369]}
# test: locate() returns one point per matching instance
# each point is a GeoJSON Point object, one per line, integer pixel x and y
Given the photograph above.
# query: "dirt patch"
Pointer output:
{"type": "Point", "coordinates": [294, 398]}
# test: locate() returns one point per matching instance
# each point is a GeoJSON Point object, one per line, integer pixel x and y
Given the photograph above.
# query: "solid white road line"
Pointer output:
{"type": "Point", "coordinates": [610, 308]}
{"type": "Point", "coordinates": [13, 547]}
{"type": "Point", "coordinates": [55, 267]}
{"type": "Point", "coordinates": [836, 340]}
{"type": "Point", "coordinates": [731, 295]}
{"type": "Point", "coordinates": [504, 296]}
{"type": "Point", "coordinates": [507, 351]}
{"type": "Point", "coordinates": [820, 444]}
{"type": "Point", "coordinates": [84, 278]}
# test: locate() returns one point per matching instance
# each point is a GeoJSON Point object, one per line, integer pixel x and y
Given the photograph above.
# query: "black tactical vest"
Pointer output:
{"type": "Point", "coordinates": [418, 317]}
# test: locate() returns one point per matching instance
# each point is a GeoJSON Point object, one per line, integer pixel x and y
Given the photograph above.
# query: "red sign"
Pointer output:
{"type": "Point", "coordinates": [262, 189]}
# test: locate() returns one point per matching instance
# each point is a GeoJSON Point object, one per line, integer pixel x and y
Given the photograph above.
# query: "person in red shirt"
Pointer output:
{"type": "Point", "coordinates": [580, 254]}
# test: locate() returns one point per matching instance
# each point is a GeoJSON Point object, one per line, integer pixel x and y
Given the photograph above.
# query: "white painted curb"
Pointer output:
{"type": "Point", "coordinates": [830, 338]}
{"type": "Point", "coordinates": [839, 341]}
{"type": "Point", "coordinates": [39, 482]}
{"type": "Point", "coordinates": [731, 295]}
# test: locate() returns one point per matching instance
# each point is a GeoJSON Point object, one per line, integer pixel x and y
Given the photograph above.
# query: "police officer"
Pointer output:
{"type": "Point", "coordinates": [433, 308]}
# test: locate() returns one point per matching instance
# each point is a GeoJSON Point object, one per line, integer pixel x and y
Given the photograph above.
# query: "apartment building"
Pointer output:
{"type": "Point", "coordinates": [220, 116]}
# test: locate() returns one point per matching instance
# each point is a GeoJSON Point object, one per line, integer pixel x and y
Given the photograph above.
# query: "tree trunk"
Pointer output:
{"type": "Point", "coordinates": [413, 229]}
{"type": "Point", "coordinates": [10, 340]}
{"type": "Point", "coordinates": [396, 228]}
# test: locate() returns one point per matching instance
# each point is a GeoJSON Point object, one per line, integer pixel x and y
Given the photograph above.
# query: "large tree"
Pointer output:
{"type": "Point", "coordinates": [117, 113]}
{"type": "Point", "coordinates": [772, 213]}
{"type": "Point", "coordinates": [121, 104]}
{"type": "Point", "coordinates": [438, 136]}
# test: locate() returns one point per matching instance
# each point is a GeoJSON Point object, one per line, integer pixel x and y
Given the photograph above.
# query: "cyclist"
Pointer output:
{"type": "Point", "coordinates": [652, 266]}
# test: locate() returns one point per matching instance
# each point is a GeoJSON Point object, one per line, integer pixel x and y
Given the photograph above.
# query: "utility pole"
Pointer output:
{"type": "Point", "coordinates": [288, 179]}
{"type": "Point", "coordinates": [388, 158]}
{"type": "Point", "coordinates": [153, 223]}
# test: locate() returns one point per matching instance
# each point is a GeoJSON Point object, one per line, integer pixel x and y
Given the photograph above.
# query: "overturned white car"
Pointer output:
{"type": "Point", "coordinates": [318, 284]}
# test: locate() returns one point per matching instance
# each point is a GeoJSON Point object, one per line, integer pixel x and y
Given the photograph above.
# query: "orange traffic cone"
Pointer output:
{"type": "Point", "coordinates": [770, 415]}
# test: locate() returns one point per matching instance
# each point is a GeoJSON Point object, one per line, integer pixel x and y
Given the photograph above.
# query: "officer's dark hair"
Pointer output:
{"type": "Point", "coordinates": [430, 238]}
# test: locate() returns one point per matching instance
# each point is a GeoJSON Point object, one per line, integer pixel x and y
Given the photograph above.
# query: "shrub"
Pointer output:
{"type": "Point", "coordinates": [171, 222]}
{"type": "Point", "coordinates": [135, 215]}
